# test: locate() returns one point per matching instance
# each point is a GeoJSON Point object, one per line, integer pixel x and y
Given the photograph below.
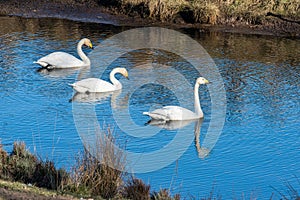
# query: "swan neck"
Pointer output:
{"type": "Point", "coordinates": [198, 109]}
{"type": "Point", "coordinates": [113, 79]}
{"type": "Point", "coordinates": [81, 54]}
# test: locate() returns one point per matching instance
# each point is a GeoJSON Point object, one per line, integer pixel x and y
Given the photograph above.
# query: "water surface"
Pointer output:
{"type": "Point", "coordinates": [257, 151]}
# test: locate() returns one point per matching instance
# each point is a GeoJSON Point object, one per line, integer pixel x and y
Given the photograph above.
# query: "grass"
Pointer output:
{"type": "Point", "coordinates": [95, 176]}
{"type": "Point", "coordinates": [21, 165]}
{"type": "Point", "coordinates": [25, 188]}
{"type": "Point", "coordinates": [91, 177]}
{"type": "Point", "coordinates": [199, 11]}
{"type": "Point", "coordinates": [210, 11]}
{"type": "Point", "coordinates": [98, 174]}
{"type": "Point", "coordinates": [290, 193]}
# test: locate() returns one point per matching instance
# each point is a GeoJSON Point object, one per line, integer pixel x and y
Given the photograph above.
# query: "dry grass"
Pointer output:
{"type": "Point", "coordinates": [21, 165]}
{"type": "Point", "coordinates": [163, 10]}
{"type": "Point", "coordinates": [205, 12]}
{"type": "Point", "coordinates": [3, 162]}
{"type": "Point", "coordinates": [100, 174]}
{"type": "Point", "coordinates": [164, 194]}
{"type": "Point", "coordinates": [213, 11]}
{"type": "Point", "coordinates": [136, 189]}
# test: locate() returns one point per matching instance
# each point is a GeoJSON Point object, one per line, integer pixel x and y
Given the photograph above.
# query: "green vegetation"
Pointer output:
{"type": "Point", "coordinates": [24, 167]}
{"type": "Point", "coordinates": [26, 175]}
{"type": "Point", "coordinates": [88, 178]}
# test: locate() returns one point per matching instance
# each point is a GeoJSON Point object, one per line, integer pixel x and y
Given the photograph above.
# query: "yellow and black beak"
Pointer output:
{"type": "Point", "coordinates": [126, 75]}
{"type": "Point", "coordinates": [91, 46]}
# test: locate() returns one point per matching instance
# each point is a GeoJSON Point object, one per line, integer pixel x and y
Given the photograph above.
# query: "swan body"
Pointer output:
{"type": "Point", "coordinates": [177, 113]}
{"type": "Point", "coordinates": [65, 60]}
{"type": "Point", "coordinates": [95, 85]}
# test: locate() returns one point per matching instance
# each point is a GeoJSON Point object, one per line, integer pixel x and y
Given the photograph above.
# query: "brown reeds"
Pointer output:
{"type": "Point", "coordinates": [101, 173]}
{"type": "Point", "coordinates": [136, 189]}
{"type": "Point", "coordinates": [212, 11]}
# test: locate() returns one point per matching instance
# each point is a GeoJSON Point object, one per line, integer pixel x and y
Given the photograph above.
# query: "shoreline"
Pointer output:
{"type": "Point", "coordinates": [93, 13]}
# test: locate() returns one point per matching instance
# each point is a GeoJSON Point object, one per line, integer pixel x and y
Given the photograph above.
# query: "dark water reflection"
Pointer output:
{"type": "Point", "coordinates": [258, 147]}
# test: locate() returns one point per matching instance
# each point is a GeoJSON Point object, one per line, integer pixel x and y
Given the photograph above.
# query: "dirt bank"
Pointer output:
{"type": "Point", "coordinates": [90, 11]}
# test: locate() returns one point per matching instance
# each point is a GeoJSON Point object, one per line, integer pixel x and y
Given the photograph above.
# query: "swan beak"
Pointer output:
{"type": "Point", "coordinates": [126, 75]}
{"type": "Point", "coordinates": [91, 46]}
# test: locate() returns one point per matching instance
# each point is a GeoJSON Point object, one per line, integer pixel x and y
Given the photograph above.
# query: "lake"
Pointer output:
{"type": "Point", "coordinates": [246, 147]}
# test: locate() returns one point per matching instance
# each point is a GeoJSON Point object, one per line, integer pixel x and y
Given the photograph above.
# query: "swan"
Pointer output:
{"type": "Point", "coordinates": [174, 113]}
{"type": "Point", "coordinates": [97, 85]}
{"type": "Point", "coordinates": [65, 60]}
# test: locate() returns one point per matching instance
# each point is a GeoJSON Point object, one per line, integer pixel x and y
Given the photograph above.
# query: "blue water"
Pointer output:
{"type": "Point", "coordinates": [257, 153]}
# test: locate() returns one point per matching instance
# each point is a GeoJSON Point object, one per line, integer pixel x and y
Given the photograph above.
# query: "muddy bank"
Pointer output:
{"type": "Point", "coordinates": [90, 11]}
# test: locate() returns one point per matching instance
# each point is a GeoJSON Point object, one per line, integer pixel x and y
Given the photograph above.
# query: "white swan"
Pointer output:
{"type": "Point", "coordinates": [65, 60]}
{"type": "Point", "coordinates": [170, 113]}
{"type": "Point", "coordinates": [97, 85]}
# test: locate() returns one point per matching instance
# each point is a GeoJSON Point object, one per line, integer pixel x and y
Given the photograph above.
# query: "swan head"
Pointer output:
{"type": "Point", "coordinates": [202, 81]}
{"type": "Point", "coordinates": [124, 72]}
{"type": "Point", "coordinates": [88, 43]}
{"type": "Point", "coordinates": [120, 70]}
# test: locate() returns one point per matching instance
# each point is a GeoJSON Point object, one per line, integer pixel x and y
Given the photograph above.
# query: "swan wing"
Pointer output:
{"type": "Point", "coordinates": [93, 85]}
{"type": "Point", "coordinates": [170, 113]}
{"type": "Point", "coordinates": [180, 113]}
{"type": "Point", "coordinates": [60, 60]}
{"type": "Point", "coordinates": [158, 114]}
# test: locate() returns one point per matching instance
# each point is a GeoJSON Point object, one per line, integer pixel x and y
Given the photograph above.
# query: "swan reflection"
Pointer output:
{"type": "Point", "coordinates": [202, 151]}
{"type": "Point", "coordinates": [116, 100]}
{"type": "Point", "coordinates": [90, 97]}
{"type": "Point", "coordinates": [173, 125]}
{"type": "Point", "coordinates": [170, 125]}
{"type": "Point", "coordinates": [57, 73]}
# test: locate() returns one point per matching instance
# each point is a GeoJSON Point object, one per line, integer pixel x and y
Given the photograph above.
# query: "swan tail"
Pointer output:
{"type": "Point", "coordinates": [146, 113]}
{"type": "Point", "coordinates": [156, 116]}
{"type": "Point", "coordinates": [147, 123]}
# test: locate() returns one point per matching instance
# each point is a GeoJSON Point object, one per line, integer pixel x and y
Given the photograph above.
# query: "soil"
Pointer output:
{"type": "Point", "coordinates": [89, 11]}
